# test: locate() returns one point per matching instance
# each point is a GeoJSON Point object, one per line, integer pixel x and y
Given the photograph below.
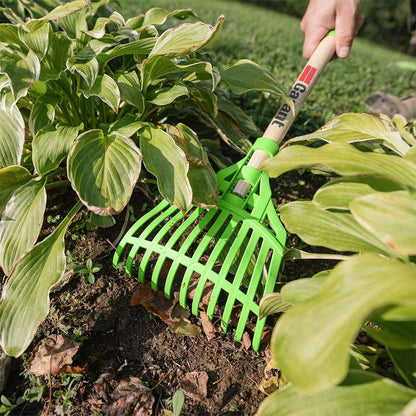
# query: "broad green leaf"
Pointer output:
{"type": "Point", "coordinates": [11, 178]}
{"type": "Point", "coordinates": [390, 217]}
{"type": "Point", "coordinates": [300, 290]}
{"type": "Point", "coordinates": [102, 222]}
{"type": "Point", "coordinates": [139, 47]}
{"type": "Point", "coordinates": [88, 69]}
{"type": "Point", "coordinates": [126, 126]}
{"type": "Point", "coordinates": [43, 112]}
{"type": "Point", "coordinates": [185, 38]}
{"type": "Point", "coordinates": [343, 159]}
{"type": "Point", "coordinates": [51, 145]}
{"type": "Point", "coordinates": [231, 133]}
{"type": "Point", "coordinates": [9, 34]}
{"type": "Point", "coordinates": [25, 298]}
{"type": "Point", "coordinates": [206, 100]}
{"type": "Point", "coordinates": [335, 230]}
{"type": "Point", "coordinates": [405, 364]}
{"type": "Point", "coordinates": [243, 121]}
{"type": "Point", "coordinates": [103, 170]}
{"type": "Point", "coordinates": [361, 394]}
{"type": "Point", "coordinates": [168, 95]}
{"type": "Point", "coordinates": [106, 89]}
{"type": "Point", "coordinates": [21, 222]}
{"type": "Point", "coordinates": [355, 127]}
{"type": "Point", "coordinates": [395, 334]}
{"type": "Point", "coordinates": [401, 123]}
{"type": "Point", "coordinates": [271, 304]}
{"type": "Point", "coordinates": [246, 75]}
{"type": "Point", "coordinates": [411, 155]}
{"type": "Point", "coordinates": [74, 24]}
{"type": "Point", "coordinates": [66, 9]}
{"type": "Point", "coordinates": [99, 27]}
{"type": "Point", "coordinates": [158, 16]}
{"type": "Point", "coordinates": [12, 136]}
{"type": "Point", "coordinates": [59, 50]}
{"type": "Point", "coordinates": [35, 35]}
{"type": "Point", "coordinates": [130, 91]}
{"type": "Point", "coordinates": [338, 193]}
{"type": "Point", "coordinates": [21, 70]}
{"type": "Point", "coordinates": [201, 175]}
{"type": "Point", "coordinates": [297, 254]}
{"type": "Point", "coordinates": [178, 401]}
{"type": "Point", "coordinates": [311, 341]}
{"type": "Point", "coordinates": [167, 161]}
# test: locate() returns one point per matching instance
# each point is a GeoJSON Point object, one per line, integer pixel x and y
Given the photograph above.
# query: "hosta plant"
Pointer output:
{"type": "Point", "coordinates": [367, 211]}
{"type": "Point", "coordinates": [87, 97]}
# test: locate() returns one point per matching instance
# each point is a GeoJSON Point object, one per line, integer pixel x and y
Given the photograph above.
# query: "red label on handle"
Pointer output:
{"type": "Point", "coordinates": [307, 74]}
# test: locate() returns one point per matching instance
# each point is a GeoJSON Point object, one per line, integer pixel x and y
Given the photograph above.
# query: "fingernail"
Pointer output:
{"type": "Point", "coordinates": [344, 52]}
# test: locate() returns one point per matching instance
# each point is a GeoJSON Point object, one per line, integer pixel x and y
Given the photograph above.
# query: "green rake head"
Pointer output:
{"type": "Point", "coordinates": [235, 248]}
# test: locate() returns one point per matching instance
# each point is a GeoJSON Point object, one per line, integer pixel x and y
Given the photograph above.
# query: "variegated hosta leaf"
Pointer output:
{"type": "Point", "coordinates": [391, 217]}
{"type": "Point", "coordinates": [25, 298]}
{"type": "Point", "coordinates": [43, 112]}
{"type": "Point", "coordinates": [339, 193]}
{"type": "Point", "coordinates": [103, 170]}
{"type": "Point", "coordinates": [35, 35]}
{"type": "Point", "coordinates": [167, 95]}
{"type": "Point", "coordinates": [21, 222]}
{"type": "Point", "coordinates": [158, 16]}
{"type": "Point", "coordinates": [343, 159]}
{"type": "Point", "coordinates": [361, 393]}
{"type": "Point", "coordinates": [201, 175]}
{"type": "Point", "coordinates": [130, 91]}
{"type": "Point", "coordinates": [59, 49]}
{"type": "Point", "coordinates": [185, 38]}
{"type": "Point", "coordinates": [106, 89]}
{"type": "Point", "coordinates": [355, 127]}
{"type": "Point", "coordinates": [330, 321]}
{"type": "Point", "coordinates": [167, 161]}
{"type": "Point", "coordinates": [51, 145]}
{"type": "Point", "coordinates": [335, 230]}
{"type": "Point", "coordinates": [401, 125]}
{"type": "Point", "coordinates": [66, 9]}
{"type": "Point", "coordinates": [246, 75]}
{"type": "Point", "coordinates": [99, 27]}
{"type": "Point", "coordinates": [87, 69]}
{"type": "Point", "coordinates": [11, 178]}
{"type": "Point", "coordinates": [21, 70]}
{"type": "Point", "coordinates": [12, 136]}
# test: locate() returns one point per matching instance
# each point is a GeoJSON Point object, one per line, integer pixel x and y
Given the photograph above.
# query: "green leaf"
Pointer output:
{"type": "Point", "coordinates": [106, 89]}
{"type": "Point", "coordinates": [99, 27]}
{"type": "Point", "coordinates": [360, 394]}
{"type": "Point", "coordinates": [167, 161]}
{"type": "Point", "coordinates": [59, 50]}
{"type": "Point", "coordinates": [66, 9]}
{"type": "Point", "coordinates": [201, 175]}
{"type": "Point", "coordinates": [88, 70]}
{"type": "Point", "coordinates": [185, 38]}
{"type": "Point", "coordinates": [126, 126]}
{"type": "Point", "coordinates": [405, 364]}
{"type": "Point", "coordinates": [26, 293]}
{"type": "Point", "coordinates": [43, 112]}
{"type": "Point", "coordinates": [21, 222]}
{"type": "Point", "coordinates": [11, 178]}
{"type": "Point", "coordinates": [206, 100]}
{"type": "Point", "coordinates": [311, 341]}
{"type": "Point", "coordinates": [271, 304]}
{"type": "Point", "coordinates": [130, 91]}
{"type": "Point", "coordinates": [401, 125]}
{"type": "Point", "coordinates": [51, 145]}
{"type": "Point", "coordinates": [12, 136]}
{"type": "Point", "coordinates": [335, 230]}
{"type": "Point", "coordinates": [177, 402]}
{"type": "Point", "coordinates": [344, 160]}
{"type": "Point", "coordinates": [21, 70]}
{"type": "Point", "coordinates": [246, 75]}
{"type": "Point", "coordinates": [102, 222]}
{"type": "Point", "coordinates": [35, 35]}
{"type": "Point", "coordinates": [389, 217]}
{"type": "Point", "coordinates": [168, 95]}
{"type": "Point", "coordinates": [357, 127]}
{"type": "Point", "coordinates": [103, 170]}
{"type": "Point", "coordinates": [339, 193]}
{"type": "Point", "coordinates": [158, 16]}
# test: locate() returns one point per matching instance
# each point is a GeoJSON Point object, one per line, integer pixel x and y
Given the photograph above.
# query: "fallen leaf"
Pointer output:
{"type": "Point", "coordinates": [153, 302]}
{"type": "Point", "coordinates": [183, 326]}
{"type": "Point", "coordinates": [53, 355]}
{"type": "Point", "coordinates": [207, 326]}
{"type": "Point", "coordinates": [195, 385]}
{"type": "Point", "coordinates": [246, 340]}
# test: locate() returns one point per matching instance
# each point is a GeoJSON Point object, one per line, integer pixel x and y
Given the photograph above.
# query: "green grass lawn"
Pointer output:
{"type": "Point", "coordinates": [274, 41]}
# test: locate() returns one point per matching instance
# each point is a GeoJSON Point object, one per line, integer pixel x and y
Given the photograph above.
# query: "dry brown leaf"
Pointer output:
{"type": "Point", "coordinates": [195, 385]}
{"type": "Point", "coordinates": [153, 302]}
{"type": "Point", "coordinates": [207, 326]}
{"type": "Point", "coordinates": [53, 355]}
{"type": "Point", "coordinates": [246, 340]}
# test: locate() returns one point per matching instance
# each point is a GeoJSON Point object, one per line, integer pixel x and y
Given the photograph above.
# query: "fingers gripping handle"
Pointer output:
{"type": "Point", "coordinates": [300, 91]}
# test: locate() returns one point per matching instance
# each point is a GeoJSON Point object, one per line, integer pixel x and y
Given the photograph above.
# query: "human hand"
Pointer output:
{"type": "Point", "coordinates": [324, 15]}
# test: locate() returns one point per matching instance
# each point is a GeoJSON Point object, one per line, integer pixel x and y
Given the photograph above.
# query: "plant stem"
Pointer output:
{"type": "Point", "coordinates": [57, 184]}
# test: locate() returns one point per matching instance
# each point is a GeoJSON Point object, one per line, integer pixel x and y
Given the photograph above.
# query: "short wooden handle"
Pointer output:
{"type": "Point", "coordinates": [300, 91]}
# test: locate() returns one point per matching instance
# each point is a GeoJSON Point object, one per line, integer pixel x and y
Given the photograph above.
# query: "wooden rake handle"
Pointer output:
{"type": "Point", "coordinates": [300, 91]}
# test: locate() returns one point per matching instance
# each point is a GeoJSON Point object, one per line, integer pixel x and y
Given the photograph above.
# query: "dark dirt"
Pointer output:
{"type": "Point", "coordinates": [135, 362]}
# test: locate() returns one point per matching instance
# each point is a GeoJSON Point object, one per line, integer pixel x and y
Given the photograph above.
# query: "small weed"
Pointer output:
{"type": "Point", "coordinates": [87, 270]}
{"type": "Point", "coordinates": [9, 404]}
